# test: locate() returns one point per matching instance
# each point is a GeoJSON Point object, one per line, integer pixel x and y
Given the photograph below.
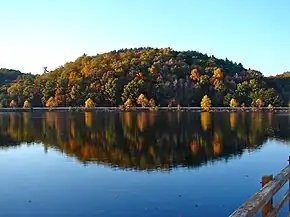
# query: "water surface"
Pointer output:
{"type": "Point", "coordinates": [136, 164]}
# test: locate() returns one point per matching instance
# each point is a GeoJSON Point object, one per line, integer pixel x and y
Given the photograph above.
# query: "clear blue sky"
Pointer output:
{"type": "Point", "coordinates": [35, 33]}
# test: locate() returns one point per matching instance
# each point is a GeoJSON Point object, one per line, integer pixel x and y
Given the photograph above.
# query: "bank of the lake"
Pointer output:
{"type": "Point", "coordinates": [194, 109]}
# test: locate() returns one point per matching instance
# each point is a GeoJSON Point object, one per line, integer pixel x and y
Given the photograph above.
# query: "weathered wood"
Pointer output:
{"type": "Point", "coordinates": [258, 200]}
{"type": "Point", "coordinates": [279, 205]}
{"type": "Point", "coordinates": [269, 206]}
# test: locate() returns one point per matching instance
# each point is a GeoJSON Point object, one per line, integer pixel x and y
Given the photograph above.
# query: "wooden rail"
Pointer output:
{"type": "Point", "coordinates": [262, 200]}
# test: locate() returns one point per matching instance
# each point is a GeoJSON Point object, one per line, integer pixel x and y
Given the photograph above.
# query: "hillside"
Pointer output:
{"type": "Point", "coordinates": [145, 76]}
{"type": "Point", "coordinates": [281, 83]}
{"type": "Point", "coordinates": [8, 75]}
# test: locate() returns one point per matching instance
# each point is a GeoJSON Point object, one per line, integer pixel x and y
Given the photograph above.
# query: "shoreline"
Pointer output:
{"type": "Point", "coordinates": [194, 109]}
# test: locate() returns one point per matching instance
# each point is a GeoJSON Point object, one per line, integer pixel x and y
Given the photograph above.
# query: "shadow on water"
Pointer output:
{"type": "Point", "coordinates": [144, 140]}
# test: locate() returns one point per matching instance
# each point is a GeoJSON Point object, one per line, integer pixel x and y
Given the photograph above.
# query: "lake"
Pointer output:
{"type": "Point", "coordinates": [175, 164]}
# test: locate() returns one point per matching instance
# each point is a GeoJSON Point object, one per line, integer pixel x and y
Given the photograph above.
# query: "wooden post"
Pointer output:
{"type": "Point", "coordinates": [254, 204]}
{"type": "Point", "coordinates": [269, 206]}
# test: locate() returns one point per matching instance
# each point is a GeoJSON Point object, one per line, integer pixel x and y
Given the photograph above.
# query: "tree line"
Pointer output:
{"type": "Point", "coordinates": [144, 77]}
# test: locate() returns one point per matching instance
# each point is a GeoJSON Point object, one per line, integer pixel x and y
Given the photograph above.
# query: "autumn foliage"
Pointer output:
{"type": "Point", "coordinates": [142, 100]}
{"type": "Point", "coordinates": [233, 102]}
{"type": "Point", "coordinates": [51, 102]}
{"type": "Point", "coordinates": [128, 103]}
{"type": "Point", "coordinates": [12, 104]}
{"type": "Point", "coordinates": [194, 75]}
{"type": "Point", "coordinates": [166, 76]}
{"type": "Point", "coordinates": [89, 103]}
{"type": "Point", "coordinates": [26, 104]}
{"type": "Point", "coordinates": [205, 102]}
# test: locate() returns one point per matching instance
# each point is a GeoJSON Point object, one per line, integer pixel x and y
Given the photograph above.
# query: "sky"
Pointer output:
{"type": "Point", "coordinates": [38, 33]}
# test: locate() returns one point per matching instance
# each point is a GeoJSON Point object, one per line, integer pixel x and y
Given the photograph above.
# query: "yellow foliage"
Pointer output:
{"type": "Point", "coordinates": [89, 103]}
{"type": "Point", "coordinates": [87, 70]}
{"type": "Point", "coordinates": [152, 69]}
{"type": "Point", "coordinates": [259, 103]}
{"type": "Point", "coordinates": [152, 151]}
{"type": "Point", "coordinates": [152, 103]}
{"type": "Point", "coordinates": [89, 119]}
{"type": "Point", "coordinates": [218, 73]}
{"type": "Point", "coordinates": [50, 102]}
{"type": "Point", "coordinates": [205, 119]}
{"type": "Point", "coordinates": [142, 100]}
{"type": "Point", "coordinates": [128, 103]}
{"type": "Point", "coordinates": [233, 103]}
{"type": "Point", "coordinates": [205, 102]}
{"type": "Point", "coordinates": [26, 104]}
{"type": "Point", "coordinates": [12, 104]}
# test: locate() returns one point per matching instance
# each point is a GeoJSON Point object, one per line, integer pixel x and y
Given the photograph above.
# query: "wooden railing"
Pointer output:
{"type": "Point", "coordinates": [263, 200]}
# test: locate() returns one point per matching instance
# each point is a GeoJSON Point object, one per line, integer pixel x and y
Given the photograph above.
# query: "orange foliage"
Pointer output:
{"type": "Point", "coordinates": [141, 121]}
{"type": "Point", "coordinates": [51, 102]}
{"type": "Point", "coordinates": [194, 146]}
{"type": "Point", "coordinates": [194, 75]}
{"type": "Point", "coordinates": [72, 76]}
{"type": "Point", "coordinates": [72, 145]}
{"type": "Point", "coordinates": [139, 146]}
{"type": "Point", "coordinates": [217, 148]}
{"type": "Point", "coordinates": [127, 119]}
{"type": "Point", "coordinates": [233, 120]}
{"type": "Point", "coordinates": [12, 104]}
{"type": "Point", "coordinates": [159, 78]}
{"type": "Point", "coordinates": [88, 152]}
{"type": "Point", "coordinates": [142, 100]}
{"type": "Point", "coordinates": [140, 75]}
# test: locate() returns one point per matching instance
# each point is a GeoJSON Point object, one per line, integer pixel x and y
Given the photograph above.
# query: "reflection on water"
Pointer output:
{"type": "Point", "coordinates": [144, 140]}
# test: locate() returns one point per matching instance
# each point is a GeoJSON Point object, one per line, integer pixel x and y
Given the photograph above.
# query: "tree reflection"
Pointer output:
{"type": "Point", "coordinates": [144, 140]}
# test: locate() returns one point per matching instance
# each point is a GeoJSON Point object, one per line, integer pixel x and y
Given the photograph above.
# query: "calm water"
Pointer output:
{"type": "Point", "coordinates": [136, 164]}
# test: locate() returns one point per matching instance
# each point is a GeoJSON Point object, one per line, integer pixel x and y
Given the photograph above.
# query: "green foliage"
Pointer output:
{"type": "Point", "coordinates": [166, 76]}
{"type": "Point", "coordinates": [8, 75]}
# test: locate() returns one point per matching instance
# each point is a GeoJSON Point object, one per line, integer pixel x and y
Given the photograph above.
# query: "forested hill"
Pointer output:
{"type": "Point", "coordinates": [8, 75]}
{"type": "Point", "coordinates": [142, 77]}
